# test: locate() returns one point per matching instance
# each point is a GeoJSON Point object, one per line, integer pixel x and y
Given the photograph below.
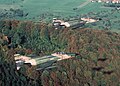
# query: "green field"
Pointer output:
{"type": "Point", "coordinates": [47, 9]}
{"type": "Point", "coordinates": [62, 8]}
{"type": "Point", "coordinates": [51, 8]}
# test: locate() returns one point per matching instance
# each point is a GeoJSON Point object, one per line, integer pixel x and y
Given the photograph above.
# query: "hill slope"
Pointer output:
{"type": "Point", "coordinates": [98, 52]}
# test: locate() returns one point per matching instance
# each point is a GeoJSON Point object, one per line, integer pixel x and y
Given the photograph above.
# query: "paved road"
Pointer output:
{"type": "Point", "coordinates": [84, 4]}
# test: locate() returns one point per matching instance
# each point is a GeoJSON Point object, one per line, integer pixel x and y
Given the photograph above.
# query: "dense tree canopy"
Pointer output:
{"type": "Point", "coordinates": [97, 63]}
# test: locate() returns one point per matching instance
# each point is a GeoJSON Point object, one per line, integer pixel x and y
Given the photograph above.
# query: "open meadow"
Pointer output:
{"type": "Point", "coordinates": [45, 10]}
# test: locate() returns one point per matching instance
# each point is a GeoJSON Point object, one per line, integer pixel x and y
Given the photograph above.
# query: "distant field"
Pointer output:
{"type": "Point", "coordinates": [64, 8]}
{"type": "Point", "coordinates": [47, 9]}
{"type": "Point", "coordinates": [37, 7]}
{"type": "Point", "coordinates": [56, 7]}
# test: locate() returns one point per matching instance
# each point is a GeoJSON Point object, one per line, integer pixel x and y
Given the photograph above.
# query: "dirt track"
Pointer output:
{"type": "Point", "coordinates": [84, 4]}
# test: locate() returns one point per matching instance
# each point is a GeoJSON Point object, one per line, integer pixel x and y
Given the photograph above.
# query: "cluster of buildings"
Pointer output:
{"type": "Point", "coordinates": [106, 1]}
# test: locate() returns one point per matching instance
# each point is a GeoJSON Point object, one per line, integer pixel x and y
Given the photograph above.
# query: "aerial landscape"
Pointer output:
{"type": "Point", "coordinates": [59, 42]}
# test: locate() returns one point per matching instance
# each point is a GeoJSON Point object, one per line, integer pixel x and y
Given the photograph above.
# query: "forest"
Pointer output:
{"type": "Point", "coordinates": [97, 63]}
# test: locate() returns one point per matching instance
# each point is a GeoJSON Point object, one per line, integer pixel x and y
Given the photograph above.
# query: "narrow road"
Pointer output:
{"type": "Point", "coordinates": [84, 4]}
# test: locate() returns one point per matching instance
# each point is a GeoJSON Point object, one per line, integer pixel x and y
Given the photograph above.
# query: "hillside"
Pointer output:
{"type": "Point", "coordinates": [97, 63]}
